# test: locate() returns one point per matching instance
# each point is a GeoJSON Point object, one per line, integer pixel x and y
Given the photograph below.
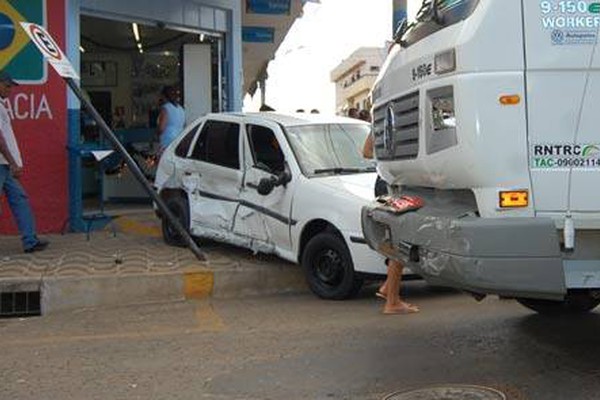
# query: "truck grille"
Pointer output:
{"type": "Point", "coordinates": [396, 128]}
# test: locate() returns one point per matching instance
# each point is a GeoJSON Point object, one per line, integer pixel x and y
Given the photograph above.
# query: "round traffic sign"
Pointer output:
{"type": "Point", "coordinates": [45, 43]}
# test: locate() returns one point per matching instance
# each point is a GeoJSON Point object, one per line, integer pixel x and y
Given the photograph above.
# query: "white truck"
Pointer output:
{"type": "Point", "coordinates": [489, 111]}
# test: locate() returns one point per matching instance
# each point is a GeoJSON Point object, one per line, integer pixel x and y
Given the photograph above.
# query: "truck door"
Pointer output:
{"type": "Point", "coordinates": [563, 93]}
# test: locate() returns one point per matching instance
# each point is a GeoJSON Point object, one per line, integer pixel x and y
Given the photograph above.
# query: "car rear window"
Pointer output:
{"type": "Point", "coordinates": [184, 145]}
{"type": "Point", "coordinates": [218, 144]}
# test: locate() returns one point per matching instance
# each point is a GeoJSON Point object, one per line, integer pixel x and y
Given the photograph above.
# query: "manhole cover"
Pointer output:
{"type": "Point", "coordinates": [456, 392]}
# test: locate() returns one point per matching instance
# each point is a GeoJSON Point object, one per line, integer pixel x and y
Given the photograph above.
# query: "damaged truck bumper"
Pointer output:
{"type": "Point", "coordinates": [449, 245]}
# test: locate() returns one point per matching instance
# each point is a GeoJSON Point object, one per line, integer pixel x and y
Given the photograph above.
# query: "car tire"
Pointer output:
{"type": "Point", "coordinates": [574, 303]}
{"type": "Point", "coordinates": [178, 205]}
{"type": "Point", "coordinates": [328, 267]}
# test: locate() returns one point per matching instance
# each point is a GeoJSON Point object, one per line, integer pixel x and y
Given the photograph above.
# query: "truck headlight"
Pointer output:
{"type": "Point", "coordinates": [442, 112]}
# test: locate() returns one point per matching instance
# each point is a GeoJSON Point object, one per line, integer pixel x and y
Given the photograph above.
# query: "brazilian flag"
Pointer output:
{"type": "Point", "coordinates": [18, 55]}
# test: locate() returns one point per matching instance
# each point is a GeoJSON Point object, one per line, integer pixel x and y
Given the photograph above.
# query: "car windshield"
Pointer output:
{"type": "Point", "coordinates": [328, 149]}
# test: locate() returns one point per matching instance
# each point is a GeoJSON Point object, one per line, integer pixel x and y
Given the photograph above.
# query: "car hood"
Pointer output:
{"type": "Point", "coordinates": [358, 185]}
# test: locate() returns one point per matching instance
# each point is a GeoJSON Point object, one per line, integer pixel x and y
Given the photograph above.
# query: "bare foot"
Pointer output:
{"type": "Point", "coordinates": [401, 308]}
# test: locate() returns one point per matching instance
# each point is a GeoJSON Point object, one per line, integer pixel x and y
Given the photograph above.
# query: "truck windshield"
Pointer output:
{"type": "Point", "coordinates": [435, 15]}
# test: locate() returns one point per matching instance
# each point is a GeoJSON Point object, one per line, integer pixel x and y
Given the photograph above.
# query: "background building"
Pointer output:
{"type": "Point", "coordinates": [354, 77]}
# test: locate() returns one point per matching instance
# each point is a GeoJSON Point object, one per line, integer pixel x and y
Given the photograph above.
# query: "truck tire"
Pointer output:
{"type": "Point", "coordinates": [329, 269]}
{"type": "Point", "coordinates": [574, 303]}
{"type": "Point", "coordinates": [178, 205]}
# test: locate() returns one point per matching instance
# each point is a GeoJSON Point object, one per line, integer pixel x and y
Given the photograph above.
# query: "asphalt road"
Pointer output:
{"type": "Point", "coordinates": [299, 347]}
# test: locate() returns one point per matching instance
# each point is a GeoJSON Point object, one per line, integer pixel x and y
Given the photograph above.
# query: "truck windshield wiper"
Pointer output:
{"type": "Point", "coordinates": [434, 12]}
{"type": "Point", "coordinates": [342, 170]}
{"type": "Point", "coordinates": [429, 11]}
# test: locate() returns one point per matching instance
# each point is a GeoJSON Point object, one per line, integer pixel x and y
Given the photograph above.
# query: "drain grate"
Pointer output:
{"type": "Point", "coordinates": [20, 304]}
{"type": "Point", "coordinates": [454, 392]}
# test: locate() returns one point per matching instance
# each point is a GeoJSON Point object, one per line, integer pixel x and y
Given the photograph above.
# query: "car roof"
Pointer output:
{"type": "Point", "coordinates": [296, 119]}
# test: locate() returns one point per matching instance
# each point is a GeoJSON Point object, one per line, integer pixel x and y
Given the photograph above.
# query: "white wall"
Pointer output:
{"type": "Point", "coordinates": [197, 81]}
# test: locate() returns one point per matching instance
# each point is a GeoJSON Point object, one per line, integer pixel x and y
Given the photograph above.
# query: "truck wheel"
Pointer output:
{"type": "Point", "coordinates": [574, 303]}
{"type": "Point", "coordinates": [178, 205]}
{"type": "Point", "coordinates": [328, 266]}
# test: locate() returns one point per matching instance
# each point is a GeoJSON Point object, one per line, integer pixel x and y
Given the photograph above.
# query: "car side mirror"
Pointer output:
{"type": "Point", "coordinates": [266, 185]}
{"type": "Point", "coordinates": [285, 176]}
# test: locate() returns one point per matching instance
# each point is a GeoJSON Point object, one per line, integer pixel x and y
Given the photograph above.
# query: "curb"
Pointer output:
{"type": "Point", "coordinates": [239, 277]}
{"type": "Point", "coordinates": [66, 294]}
{"type": "Point", "coordinates": [71, 293]}
{"type": "Point", "coordinates": [60, 294]}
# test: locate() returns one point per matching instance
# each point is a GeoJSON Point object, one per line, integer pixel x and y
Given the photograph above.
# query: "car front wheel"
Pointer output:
{"type": "Point", "coordinates": [328, 267]}
{"type": "Point", "coordinates": [179, 207]}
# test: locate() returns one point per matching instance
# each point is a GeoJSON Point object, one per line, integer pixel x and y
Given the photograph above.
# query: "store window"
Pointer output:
{"type": "Point", "coordinates": [124, 68]}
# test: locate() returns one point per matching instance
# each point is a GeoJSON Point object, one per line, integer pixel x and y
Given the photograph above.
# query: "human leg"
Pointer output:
{"type": "Point", "coordinates": [393, 303]}
{"type": "Point", "coordinates": [382, 291]}
{"type": "Point", "coordinates": [18, 202]}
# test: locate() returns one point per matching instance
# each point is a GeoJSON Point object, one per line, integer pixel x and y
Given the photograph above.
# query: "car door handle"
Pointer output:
{"type": "Point", "coordinates": [188, 173]}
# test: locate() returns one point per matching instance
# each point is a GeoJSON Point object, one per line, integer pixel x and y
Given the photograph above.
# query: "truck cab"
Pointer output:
{"type": "Point", "coordinates": [485, 110]}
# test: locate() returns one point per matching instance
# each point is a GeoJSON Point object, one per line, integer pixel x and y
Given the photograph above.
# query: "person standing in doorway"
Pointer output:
{"type": "Point", "coordinates": [11, 169]}
{"type": "Point", "coordinates": [171, 119]}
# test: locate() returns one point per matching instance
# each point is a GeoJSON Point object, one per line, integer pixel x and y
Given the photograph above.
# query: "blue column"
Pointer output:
{"type": "Point", "coordinates": [235, 59]}
{"type": "Point", "coordinates": [73, 124]}
{"type": "Point", "coordinates": [399, 13]}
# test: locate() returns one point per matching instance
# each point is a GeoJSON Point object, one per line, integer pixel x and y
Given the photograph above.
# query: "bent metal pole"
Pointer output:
{"type": "Point", "coordinates": [136, 171]}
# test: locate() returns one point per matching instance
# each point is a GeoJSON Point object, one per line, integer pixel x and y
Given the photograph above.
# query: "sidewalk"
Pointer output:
{"type": "Point", "coordinates": [135, 266]}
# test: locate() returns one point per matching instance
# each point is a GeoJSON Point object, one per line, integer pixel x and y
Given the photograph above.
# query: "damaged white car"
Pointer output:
{"type": "Point", "coordinates": [289, 185]}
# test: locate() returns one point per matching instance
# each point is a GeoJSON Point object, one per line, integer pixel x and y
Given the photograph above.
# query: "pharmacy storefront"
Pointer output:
{"type": "Point", "coordinates": [125, 53]}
